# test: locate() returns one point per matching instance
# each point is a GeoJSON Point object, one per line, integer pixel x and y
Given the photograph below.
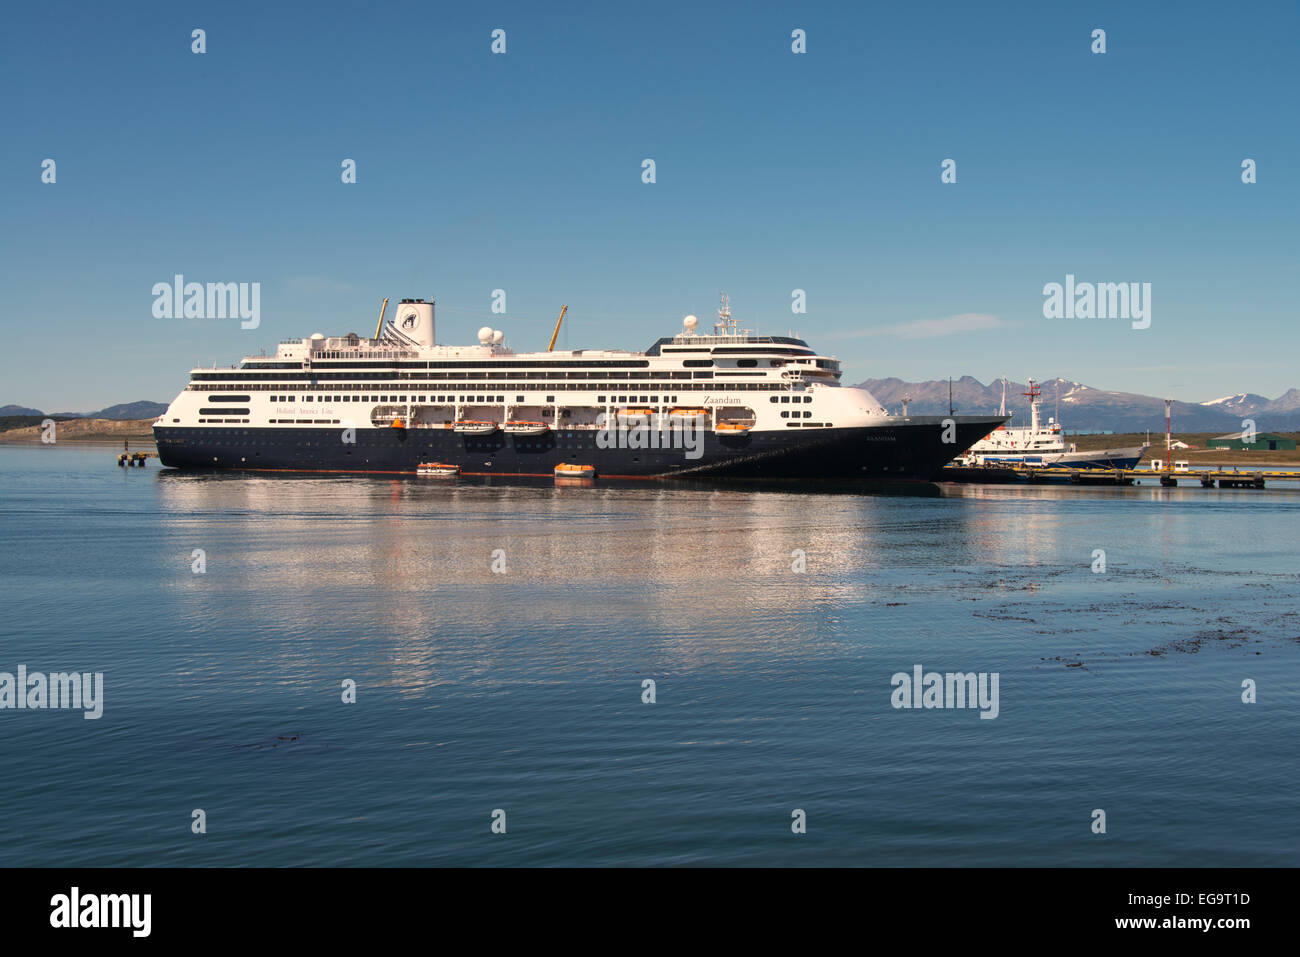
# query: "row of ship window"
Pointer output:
{"type": "Point", "coordinates": [224, 375]}
{"type": "Point", "coordinates": [237, 385]}
{"type": "Point", "coordinates": [431, 398]}
{"type": "Point", "coordinates": [353, 362]}
{"type": "Point", "coordinates": [784, 414]}
{"type": "Point", "coordinates": [372, 360]}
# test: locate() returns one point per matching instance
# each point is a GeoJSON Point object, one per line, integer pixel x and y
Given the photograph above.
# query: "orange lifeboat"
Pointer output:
{"type": "Point", "coordinates": [567, 470]}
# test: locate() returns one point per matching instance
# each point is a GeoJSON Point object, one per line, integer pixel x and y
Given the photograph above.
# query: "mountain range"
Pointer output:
{"type": "Point", "coordinates": [124, 410]}
{"type": "Point", "coordinates": [1083, 408]}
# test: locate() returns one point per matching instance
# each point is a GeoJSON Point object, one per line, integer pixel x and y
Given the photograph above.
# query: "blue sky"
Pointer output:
{"type": "Point", "coordinates": [775, 171]}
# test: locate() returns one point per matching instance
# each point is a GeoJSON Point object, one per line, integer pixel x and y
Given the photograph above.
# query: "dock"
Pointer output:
{"type": "Point", "coordinates": [1169, 478]}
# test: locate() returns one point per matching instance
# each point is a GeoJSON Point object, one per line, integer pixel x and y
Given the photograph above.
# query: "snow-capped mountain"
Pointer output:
{"type": "Point", "coordinates": [1243, 403]}
{"type": "Point", "coordinates": [1090, 409]}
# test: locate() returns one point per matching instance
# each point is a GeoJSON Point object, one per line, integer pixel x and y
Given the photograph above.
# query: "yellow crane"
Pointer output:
{"type": "Point", "coordinates": [382, 309]}
{"type": "Point", "coordinates": [556, 333]}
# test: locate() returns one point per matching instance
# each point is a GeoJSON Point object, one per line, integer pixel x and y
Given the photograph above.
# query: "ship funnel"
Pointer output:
{"type": "Point", "coordinates": [413, 321]}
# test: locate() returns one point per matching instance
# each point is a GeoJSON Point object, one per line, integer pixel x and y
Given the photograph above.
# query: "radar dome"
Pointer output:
{"type": "Point", "coordinates": [485, 335]}
{"type": "Point", "coordinates": [498, 337]}
{"type": "Point", "coordinates": [317, 335]}
{"type": "Point", "coordinates": [690, 322]}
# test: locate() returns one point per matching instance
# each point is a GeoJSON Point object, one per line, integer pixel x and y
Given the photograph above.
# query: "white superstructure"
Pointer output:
{"type": "Point", "coordinates": [403, 377]}
{"type": "Point", "coordinates": [1034, 439]}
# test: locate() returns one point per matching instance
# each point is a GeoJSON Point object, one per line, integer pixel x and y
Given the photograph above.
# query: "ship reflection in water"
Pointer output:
{"type": "Point", "coordinates": [447, 577]}
{"type": "Point", "coordinates": [1120, 624]}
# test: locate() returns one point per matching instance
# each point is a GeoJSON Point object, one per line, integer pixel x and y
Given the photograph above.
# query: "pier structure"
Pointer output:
{"type": "Point", "coordinates": [1168, 476]}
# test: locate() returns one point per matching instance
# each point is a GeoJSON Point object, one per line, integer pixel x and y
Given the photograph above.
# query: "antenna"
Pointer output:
{"type": "Point", "coordinates": [725, 321]}
{"type": "Point", "coordinates": [950, 395]}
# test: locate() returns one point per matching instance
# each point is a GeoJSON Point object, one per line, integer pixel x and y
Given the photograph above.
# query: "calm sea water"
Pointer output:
{"type": "Point", "coordinates": [522, 691]}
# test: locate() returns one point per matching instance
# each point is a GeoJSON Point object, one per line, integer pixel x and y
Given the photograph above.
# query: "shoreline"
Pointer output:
{"type": "Point", "coordinates": [86, 430]}
{"type": "Point", "coordinates": [1198, 455]}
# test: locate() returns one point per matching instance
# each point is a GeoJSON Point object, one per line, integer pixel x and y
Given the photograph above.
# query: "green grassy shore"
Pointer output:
{"type": "Point", "coordinates": [1196, 455]}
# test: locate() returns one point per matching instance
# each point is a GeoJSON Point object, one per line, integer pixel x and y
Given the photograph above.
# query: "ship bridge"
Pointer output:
{"type": "Point", "coordinates": [692, 343]}
{"type": "Point", "coordinates": [732, 347]}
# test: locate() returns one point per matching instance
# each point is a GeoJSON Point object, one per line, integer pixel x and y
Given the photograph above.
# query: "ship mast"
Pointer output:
{"type": "Point", "coordinates": [1034, 393]}
{"type": "Point", "coordinates": [726, 325]}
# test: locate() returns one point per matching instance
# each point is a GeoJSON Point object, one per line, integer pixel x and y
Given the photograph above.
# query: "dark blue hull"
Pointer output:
{"type": "Point", "coordinates": [1105, 462]}
{"type": "Point", "coordinates": [1117, 459]}
{"type": "Point", "coordinates": [911, 451]}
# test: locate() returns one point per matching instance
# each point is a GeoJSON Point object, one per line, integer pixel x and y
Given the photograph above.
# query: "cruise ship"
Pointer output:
{"type": "Point", "coordinates": [719, 403]}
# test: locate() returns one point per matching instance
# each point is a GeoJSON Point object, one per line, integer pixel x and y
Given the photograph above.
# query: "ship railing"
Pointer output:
{"type": "Point", "coordinates": [729, 340]}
